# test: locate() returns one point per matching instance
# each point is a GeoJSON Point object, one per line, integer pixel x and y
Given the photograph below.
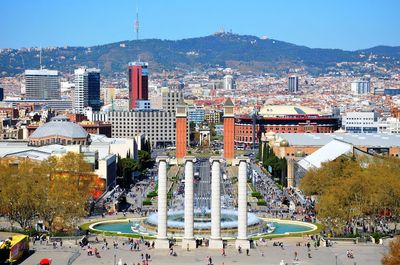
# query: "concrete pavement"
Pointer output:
{"type": "Point", "coordinates": [365, 254]}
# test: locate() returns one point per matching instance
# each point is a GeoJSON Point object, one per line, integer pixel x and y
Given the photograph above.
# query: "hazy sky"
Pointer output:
{"type": "Point", "coordinates": [346, 24]}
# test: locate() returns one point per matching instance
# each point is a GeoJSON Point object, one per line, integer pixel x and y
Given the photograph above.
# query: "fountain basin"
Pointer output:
{"type": "Point", "coordinates": [202, 225]}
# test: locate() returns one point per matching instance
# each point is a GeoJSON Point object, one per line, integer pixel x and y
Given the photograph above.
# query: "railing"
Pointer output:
{"type": "Point", "coordinates": [73, 258]}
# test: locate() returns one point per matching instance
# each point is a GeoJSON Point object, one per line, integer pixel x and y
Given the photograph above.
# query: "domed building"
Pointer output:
{"type": "Point", "coordinates": [59, 131]}
{"type": "Point", "coordinates": [283, 119]}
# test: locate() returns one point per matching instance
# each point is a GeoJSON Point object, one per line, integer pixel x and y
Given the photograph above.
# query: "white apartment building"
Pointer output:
{"type": "Point", "coordinates": [293, 84]}
{"type": "Point", "coordinates": [170, 99]}
{"type": "Point", "coordinates": [360, 87]}
{"type": "Point", "coordinates": [229, 82]}
{"type": "Point", "coordinates": [389, 125]}
{"type": "Point", "coordinates": [81, 98]}
{"type": "Point", "coordinates": [360, 122]}
{"type": "Point", "coordinates": [158, 126]}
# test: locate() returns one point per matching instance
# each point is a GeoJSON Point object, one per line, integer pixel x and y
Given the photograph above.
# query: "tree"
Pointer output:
{"type": "Point", "coordinates": [393, 257]}
{"type": "Point", "coordinates": [56, 189]}
{"type": "Point", "coordinates": [352, 191]}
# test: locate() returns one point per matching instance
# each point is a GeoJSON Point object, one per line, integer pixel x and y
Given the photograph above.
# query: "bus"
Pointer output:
{"type": "Point", "coordinates": [13, 248]}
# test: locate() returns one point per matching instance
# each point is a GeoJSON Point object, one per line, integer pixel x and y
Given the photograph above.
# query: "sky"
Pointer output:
{"type": "Point", "coordinates": [344, 24]}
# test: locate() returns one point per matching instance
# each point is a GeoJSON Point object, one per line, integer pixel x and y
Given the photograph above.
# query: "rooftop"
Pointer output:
{"type": "Point", "coordinates": [328, 152]}
{"type": "Point", "coordinates": [356, 139]}
{"type": "Point", "coordinates": [44, 72]}
{"type": "Point", "coordinates": [59, 126]}
{"type": "Point", "coordinates": [280, 110]}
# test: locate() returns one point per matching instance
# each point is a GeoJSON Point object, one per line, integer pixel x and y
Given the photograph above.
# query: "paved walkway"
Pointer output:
{"type": "Point", "coordinates": [364, 254]}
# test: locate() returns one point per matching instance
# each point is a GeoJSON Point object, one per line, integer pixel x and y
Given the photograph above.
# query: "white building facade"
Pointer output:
{"type": "Point", "coordinates": [361, 122]}
{"type": "Point", "coordinates": [360, 87]}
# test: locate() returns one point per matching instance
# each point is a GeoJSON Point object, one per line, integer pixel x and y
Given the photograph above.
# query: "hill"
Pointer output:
{"type": "Point", "coordinates": [247, 53]}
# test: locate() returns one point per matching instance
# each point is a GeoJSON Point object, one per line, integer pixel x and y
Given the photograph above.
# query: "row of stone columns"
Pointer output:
{"type": "Point", "coordinates": [188, 241]}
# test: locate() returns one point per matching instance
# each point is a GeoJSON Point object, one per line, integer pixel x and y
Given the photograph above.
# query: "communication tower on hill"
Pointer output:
{"type": "Point", "coordinates": [137, 24]}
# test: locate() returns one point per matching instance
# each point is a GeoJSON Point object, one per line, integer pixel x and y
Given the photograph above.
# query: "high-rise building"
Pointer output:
{"type": "Point", "coordinates": [229, 82]}
{"type": "Point", "coordinates": [87, 89]}
{"type": "Point", "coordinates": [360, 87]}
{"type": "Point", "coordinates": [1, 94]}
{"type": "Point", "coordinates": [94, 88]}
{"type": "Point", "coordinates": [42, 84]}
{"type": "Point", "coordinates": [293, 85]}
{"type": "Point", "coordinates": [138, 83]}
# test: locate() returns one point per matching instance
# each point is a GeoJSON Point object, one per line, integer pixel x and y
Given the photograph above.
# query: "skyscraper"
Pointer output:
{"type": "Point", "coordinates": [87, 89]}
{"type": "Point", "coordinates": [293, 84]}
{"type": "Point", "coordinates": [94, 88]}
{"type": "Point", "coordinates": [138, 83]}
{"type": "Point", "coordinates": [42, 84]}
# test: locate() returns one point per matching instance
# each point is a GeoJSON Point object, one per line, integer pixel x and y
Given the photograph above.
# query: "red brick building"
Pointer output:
{"type": "Point", "coordinates": [283, 119]}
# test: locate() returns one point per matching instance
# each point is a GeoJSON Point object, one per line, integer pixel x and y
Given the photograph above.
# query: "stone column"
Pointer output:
{"type": "Point", "coordinates": [215, 240]}
{"type": "Point", "coordinates": [162, 240]}
{"type": "Point", "coordinates": [290, 173]}
{"type": "Point", "coordinates": [188, 241]}
{"type": "Point", "coordinates": [242, 239]}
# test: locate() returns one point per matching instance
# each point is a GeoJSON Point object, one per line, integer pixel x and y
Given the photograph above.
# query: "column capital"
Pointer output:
{"type": "Point", "coordinates": [216, 159]}
{"type": "Point", "coordinates": [189, 158]}
{"type": "Point", "coordinates": [239, 159]}
{"type": "Point", "coordinates": [162, 158]}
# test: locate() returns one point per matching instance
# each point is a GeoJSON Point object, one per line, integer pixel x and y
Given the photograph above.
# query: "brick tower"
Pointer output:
{"type": "Point", "coordinates": [181, 131]}
{"type": "Point", "coordinates": [229, 131]}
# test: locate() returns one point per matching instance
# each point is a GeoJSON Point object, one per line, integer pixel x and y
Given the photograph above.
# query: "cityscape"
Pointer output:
{"type": "Point", "coordinates": [219, 148]}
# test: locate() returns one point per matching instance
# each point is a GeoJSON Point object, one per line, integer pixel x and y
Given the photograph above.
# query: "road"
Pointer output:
{"type": "Point", "coordinates": [202, 188]}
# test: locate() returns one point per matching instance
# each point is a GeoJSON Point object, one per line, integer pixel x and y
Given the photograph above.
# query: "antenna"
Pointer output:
{"type": "Point", "coordinates": [137, 23]}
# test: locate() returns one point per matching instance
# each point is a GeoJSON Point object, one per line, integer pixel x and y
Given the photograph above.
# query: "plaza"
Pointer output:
{"type": "Point", "coordinates": [366, 254]}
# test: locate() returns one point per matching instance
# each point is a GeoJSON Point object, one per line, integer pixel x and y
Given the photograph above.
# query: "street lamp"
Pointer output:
{"type": "Point", "coordinates": [115, 258]}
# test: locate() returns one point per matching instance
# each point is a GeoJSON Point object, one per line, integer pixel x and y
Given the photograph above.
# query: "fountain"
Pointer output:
{"type": "Point", "coordinates": [187, 222]}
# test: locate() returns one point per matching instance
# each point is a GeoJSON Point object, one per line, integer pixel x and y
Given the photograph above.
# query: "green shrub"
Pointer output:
{"type": "Point", "coordinates": [261, 203]}
{"type": "Point", "coordinates": [377, 236]}
{"type": "Point", "coordinates": [256, 195]}
{"type": "Point", "coordinates": [147, 202]}
{"type": "Point", "coordinates": [152, 194]}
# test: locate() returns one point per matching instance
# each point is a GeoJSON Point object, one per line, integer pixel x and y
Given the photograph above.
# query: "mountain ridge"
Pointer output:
{"type": "Point", "coordinates": [244, 52]}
